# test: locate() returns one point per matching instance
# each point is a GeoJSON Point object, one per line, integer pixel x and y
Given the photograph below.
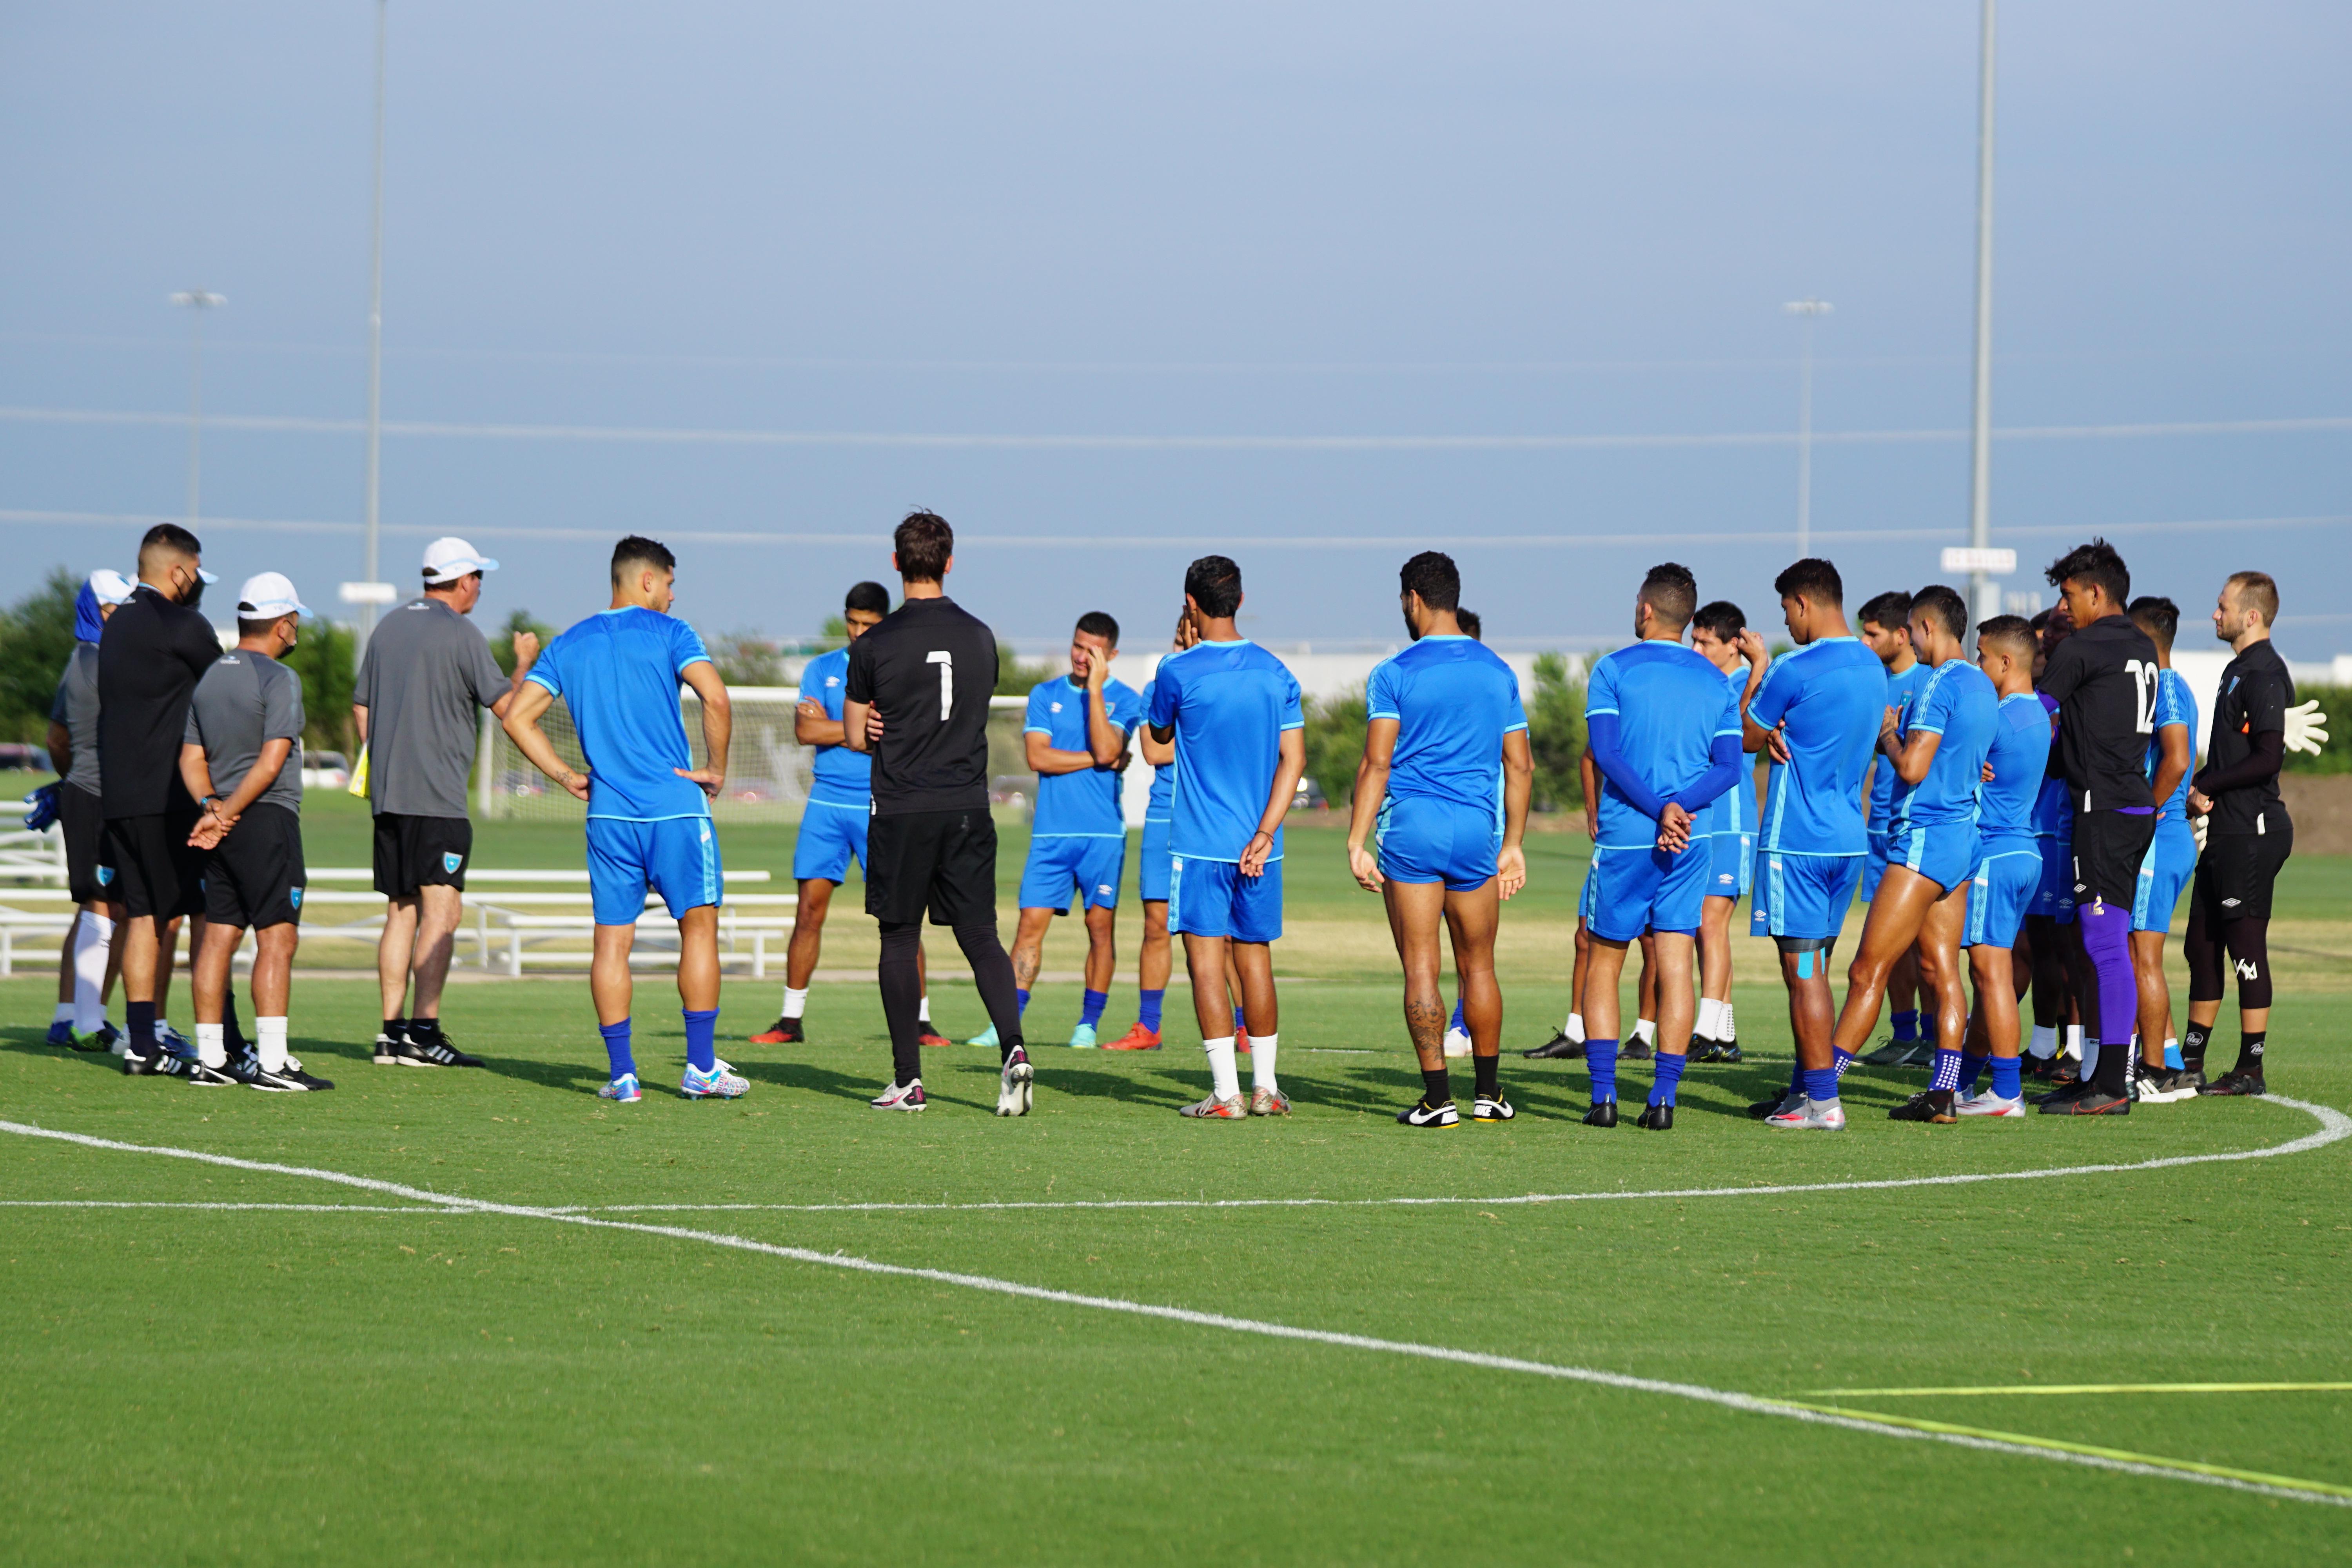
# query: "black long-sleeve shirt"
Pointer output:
{"type": "Point", "coordinates": [150, 658]}
{"type": "Point", "coordinates": [2247, 744]}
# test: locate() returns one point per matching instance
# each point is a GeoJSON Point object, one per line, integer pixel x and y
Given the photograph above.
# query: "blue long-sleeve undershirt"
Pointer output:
{"type": "Point", "coordinates": [1723, 771]}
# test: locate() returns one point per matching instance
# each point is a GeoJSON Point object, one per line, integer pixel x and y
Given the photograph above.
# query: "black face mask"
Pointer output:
{"type": "Point", "coordinates": [194, 595]}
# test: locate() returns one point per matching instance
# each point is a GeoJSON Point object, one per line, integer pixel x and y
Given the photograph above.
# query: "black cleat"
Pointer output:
{"type": "Point", "coordinates": [157, 1063]}
{"type": "Point", "coordinates": [424, 1046]}
{"type": "Point", "coordinates": [1934, 1106]}
{"type": "Point", "coordinates": [289, 1079]}
{"type": "Point", "coordinates": [2061, 1093]}
{"type": "Point", "coordinates": [2230, 1083]}
{"type": "Point", "coordinates": [2092, 1101]}
{"type": "Point", "coordinates": [1656, 1118]}
{"type": "Point", "coordinates": [1559, 1048]}
{"type": "Point", "coordinates": [1420, 1113]}
{"type": "Point", "coordinates": [388, 1045]}
{"type": "Point", "coordinates": [1890, 1052]}
{"type": "Point", "coordinates": [1635, 1051]}
{"type": "Point", "coordinates": [2040, 1067]}
{"type": "Point", "coordinates": [1602, 1115]}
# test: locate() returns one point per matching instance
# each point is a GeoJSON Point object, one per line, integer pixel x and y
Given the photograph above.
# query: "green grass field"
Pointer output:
{"type": "Point", "coordinates": [372, 1377]}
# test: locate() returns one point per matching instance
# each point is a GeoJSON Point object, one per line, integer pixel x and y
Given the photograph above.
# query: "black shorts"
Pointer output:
{"type": "Point", "coordinates": [81, 818]}
{"type": "Point", "coordinates": [254, 876]}
{"type": "Point", "coordinates": [944, 861]}
{"type": "Point", "coordinates": [2235, 874]}
{"type": "Point", "coordinates": [147, 864]}
{"type": "Point", "coordinates": [2108, 848]}
{"type": "Point", "coordinates": [412, 852]}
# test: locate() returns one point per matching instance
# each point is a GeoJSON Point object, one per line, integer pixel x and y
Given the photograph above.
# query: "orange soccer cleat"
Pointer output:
{"type": "Point", "coordinates": [932, 1037]}
{"type": "Point", "coordinates": [1137, 1039]}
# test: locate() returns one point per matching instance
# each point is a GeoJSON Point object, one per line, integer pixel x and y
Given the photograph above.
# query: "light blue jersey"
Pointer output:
{"type": "Point", "coordinates": [1163, 777]}
{"type": "Point", "coordinates": [1229, 704]}
{"type": "Point", "coordinates": [2019, 754]}
{"type": "Point", "coordinates": [2053, 807]}
{"type": "Point", "coordinates": [1454, 700]}
{"type": "Point", "coordinates": [1670, 704]}
{"type": "Point", "coordinates": [1955, 701]}
{"type": "Point", "coordinates": [1083, 804]}
{"type": "Point", "coordinates": [839, 775]}
{"type": "Point", "coordinates": [1831, 697]}
{"type": "Point", "coordinates": [2175, 704]}
{"type": "Point", "coordinates": [1734, 810]}
{"type": "Point", "coordinates": [617, 671]}
{"type": "Point", "coordinates": [1900, 689]}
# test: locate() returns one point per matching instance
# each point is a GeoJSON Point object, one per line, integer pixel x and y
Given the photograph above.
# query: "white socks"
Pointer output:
{"type": "Point", "coordinates": [2045, 1041]}
{"type": "Point", "coordinates": [1708, 1010]}
{"type": "Point", "coordinates": [1574, 1027]}
{"type": "Point", "coordinates": [1646, 1031]}
{"type": "Point", "coordinates": [795, 1003]}
{"type": "Point", "coordinates": [65, 1012]}
{"type": "Point", "coordinates": [923, 1014]}
{"type": "Point", "coordinates": [1723, 1017]}
{"type": "Point", "coordinates": [272, 1043]}
{"type": "Point", "coordinates": [2091, 1058]}
{"type": "Point", "coordinates": [212, 1046]}
{"type": "Point", "coordinates": [1224, 1078]}
{"type": "Point", "coordinates": [91, 938]}
{"type": "Point", "coordinates": [1261, 1063]}
{"type": "Point", "coordinates": [2075, 1041]}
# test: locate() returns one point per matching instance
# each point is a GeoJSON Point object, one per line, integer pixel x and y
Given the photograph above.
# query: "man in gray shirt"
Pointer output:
{"type": "Point", "coordinates": [425, 678]}
{"type": "Point", "coordinates": [245, 723]}
{"type": "Point", "coordinates": [86, 958]}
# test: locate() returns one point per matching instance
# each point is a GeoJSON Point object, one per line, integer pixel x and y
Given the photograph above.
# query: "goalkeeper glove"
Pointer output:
{"type": "Point", "coordinates": [2307, 728]}
{"type": "Point", "coordinates": [43, 808]}
{"type": "Point", "coordinates": [2200, 824]}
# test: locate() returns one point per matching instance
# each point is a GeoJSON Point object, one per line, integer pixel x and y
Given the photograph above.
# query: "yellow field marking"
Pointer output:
{"type": "Point", "coordinates": [2088, 1388]}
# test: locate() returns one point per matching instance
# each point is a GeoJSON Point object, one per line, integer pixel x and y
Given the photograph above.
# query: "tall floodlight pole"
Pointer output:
{"type": "Point", "coordinates": [1981, 588]}
{"type": "Point", "coordinates": [375, 341]}
{"type": "Point", "coordinates": [197, 301]}
{"type": "Point", "coordinates": [1808, 311]}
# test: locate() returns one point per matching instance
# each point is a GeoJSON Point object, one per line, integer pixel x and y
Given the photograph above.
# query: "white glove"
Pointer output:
{"type": "Point", "coordinates": [2200, 824]}
{"type": "Point", "coordinates": [2307, 728]}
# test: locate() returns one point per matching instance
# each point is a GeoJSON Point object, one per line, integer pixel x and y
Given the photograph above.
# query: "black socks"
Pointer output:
{"type": "Point", "coordinates": [2192, 1045]}
{"type": "Point", "coordinates": [1489, 1071]}
{"type": "Point", "coordinates": [2249, 1052]}
{"type": "Point", "coordinates": [1436, 1088]}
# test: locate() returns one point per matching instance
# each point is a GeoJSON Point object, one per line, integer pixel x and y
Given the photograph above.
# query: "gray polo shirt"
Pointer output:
{"type": "Point", "coordinates": [244, 700]}
{"type": "Point", "coordinates": [426, 673]}
{"type": "Point", "coordinates": [77, 708]}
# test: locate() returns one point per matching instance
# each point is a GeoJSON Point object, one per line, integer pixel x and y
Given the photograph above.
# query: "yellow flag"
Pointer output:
{"type": "Point", "coordinates": [359, 784]}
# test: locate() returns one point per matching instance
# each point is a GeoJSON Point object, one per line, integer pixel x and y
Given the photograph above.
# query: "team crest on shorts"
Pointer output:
{"type": "Point", "coordinates": [1103, 888]}
{"type": "Point", "coordinates": [294, 896]}
{"type": "Point", "coordinates": [450, 862]}
{"type": "Point", "coordinates": [105, 875]}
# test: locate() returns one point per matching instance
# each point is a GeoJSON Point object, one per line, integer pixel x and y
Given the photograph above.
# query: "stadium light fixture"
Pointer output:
{"type": "Point", "coordinates": [1808, 311]}
{"type": "Point", "coordinates": [376, 346]}
{"type": "Point", "coordinates": [196, 302]}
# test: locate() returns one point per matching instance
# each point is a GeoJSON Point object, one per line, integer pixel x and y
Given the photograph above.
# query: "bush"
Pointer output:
{"type": "Point", "coordinates": [503, 640]}
{"type": "Point", "coordinates": [1556, 732]}
{"type": "Point", "coordinates": [35, 639]}
{"type": "Point", "coordinates": [2336, 702]}
{"type": "Point", "coordinates": [325, 658]}
{"type": "Point", "coordinates": [1014, 679]}
{"type": "Point", "coordinates": [1334, 744]}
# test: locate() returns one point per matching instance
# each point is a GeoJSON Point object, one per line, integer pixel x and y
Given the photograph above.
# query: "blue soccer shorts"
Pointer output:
{"type": "Point", "coordinates": [1943, 852]}
{"type": "Point", "coordinates": [2170, 861]}
{"type": "Point", "coordinates": [1423, 839]}
{"type": "Point", "coordinates": [1801, 896]}
{"type": "Point", "coordinates": [1091, 865]}
{"type": "Point", "coordinates": [1211, 898]}
{"type": "Point", "coordinates": [1874, 862]}
{"type": "Point", "coordinates": [1633, 889]}
{"type": "Point", "coordinates": [1152, 871]}
{"type": "Point", "coordinates": [2001, 891]}
{"type": "Point", "coordinates": [832, 834]}
{"type": "Point", "coordinates": [1731, 865]}
{"type": "Point", "coordinates": [677, 857]}
{"type": "Point", "coordinates": [2054, 896]}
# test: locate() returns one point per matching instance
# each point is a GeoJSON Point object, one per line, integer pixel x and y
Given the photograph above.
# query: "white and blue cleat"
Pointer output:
{"type": "Point", "coordinates": [623, 1089]}
{"type": "Point", "coordinates": [1081, 1038]}
{"type": "Point", "coordinates": [721, 1082]}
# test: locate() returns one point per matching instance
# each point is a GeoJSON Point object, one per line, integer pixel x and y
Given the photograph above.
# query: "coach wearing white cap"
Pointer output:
{"type": "Point", "coordinates": [426, 675]}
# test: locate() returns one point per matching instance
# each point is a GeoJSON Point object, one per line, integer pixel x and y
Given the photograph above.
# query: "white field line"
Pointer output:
{"type": "Point", "coordinates": [1724, 1398]}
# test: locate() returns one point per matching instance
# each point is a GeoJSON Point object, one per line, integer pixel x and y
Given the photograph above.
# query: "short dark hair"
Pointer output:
{"type": "Point", "coordinates": [1945, 605]}
{"type": "Point", "coordinates": [1672, 592]}
{"type": "Point", "coordinates": [636, 550]}
{"type": "Point", "coordinates": [872, 598]}
{"type": "Point", "coordinates": [1891, 609]}
{"type": "Point", "coordinates": [1811, 578]}
{"type": "Point", "coordinates": [2013, 634]}
{"type": "Point", "coordinates": [2097, 563]}
{"type": "Point", "coordinates": [168, 538]}
{"type": "Point", "coordinates": [1215, 585]}
{"type": "Point", "coordinates": [923, 542]}
{"type": "Point", "coordinates": [1433, 577]}
{"type": "Point", "coordinates": [2041, 619]}
{"type": "Point", "coordinates": [1095, 624]}
{"type": "Point", "coordinates": [2256, 590]}
{"type": "Point", "coordinates": [2158, 618]}
{"type": "Point", "coordinates": [247, 627]}
{"type": "Point", "coordinates": [1472, 626]}
{"type": "Point", "coordinates": [1721, 620]}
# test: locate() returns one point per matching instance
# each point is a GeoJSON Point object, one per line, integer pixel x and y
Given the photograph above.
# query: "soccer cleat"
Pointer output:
{"type": "Point", "coordinates": [173, 1042]}
{"type": "Point", "coordinates": [1215, 1110]}
{"type": "Point", "coordinates": [1458, 1044]}
{"type": "Point", "coordinates": [2161, 1086]}
{"type": "Point", "coordinates": [288, 1078]}
{"type": "Point", "coordinates": [1559, 1048]}
{"type": "Point", "coordinates": [1985, 1102]}
{"type": "Point", "coordinates": [932, 1039]}
{"type": "Point", "coordinates": [1889, 1053]}
{"type": "Point", "coordinates": [1808, 1117]}
{"type": "Point", "coordinates": [623, 1089]}
{"type": "Point", "coordinates": [1633, 1050]}
{"type": "Point", "coordinates": [986, 1037]}
{"type": "Point", "coordinates": [2232, 1083]}
{"type": "Point", "coordinates": [1602, 1115]}
{"type": "Point", "coordinates": [107, 1038]}
{"type": "Point", "coordinates": [1014, 1084]}
{"type": "Point", "coordinates": [1790, 1097]}
{"type": "Point", "coordinates": [388, 1046]}
{"type": "Point", "coordinates": [1921, 1052]}
{"type": "Point", "coordinates": [1137, 1039]}
{"type": "Point", "coordinates": [1934, 1106]}
{"type": "Point", "coordinates": [783, 1032]}
{"type": "Point", "coordinates": [2092, 1101]}
{"type": "Point", "coordinates": [1240, 1041]}
{"type": "Point", "coordinates": [1268, 1102]}
{"type": "Point", "coordinates": [2062, 1092]}
{"type": "Point", "coordinates": [721, 1082]}
{"type": "Point", "coordinates": [1081, 1038]}
{"type": "Point", "coordinates": [1420, 1113]}
{"type": "Point", "coordinates": [901, 1096]}
{"type": "Point", "coordinates": [1492, 1108]}
{"type": "Point", "coordinates": [1656, 1118]}
{"type": "Point", "coordinates": [61, 1032]}
{"type": "Point", "coordinates": [226, 1075]}
{"type": "Point", "coordinates": [2040, 1067]}
{"type": "Point", "coordinates": [428, 1047]}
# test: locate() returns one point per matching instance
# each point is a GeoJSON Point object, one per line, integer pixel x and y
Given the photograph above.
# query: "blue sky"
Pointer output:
{"type": "Point", "coordinates": [1095, 281]}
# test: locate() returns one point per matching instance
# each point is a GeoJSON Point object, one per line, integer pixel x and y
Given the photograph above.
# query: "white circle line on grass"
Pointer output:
{"type": "Point", "coordinates": [1722, 1398]}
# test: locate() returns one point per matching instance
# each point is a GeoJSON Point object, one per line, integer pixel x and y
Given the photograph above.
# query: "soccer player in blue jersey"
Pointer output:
{"type": "Point", "coordinates": [1936, 744]}
{"type": "Point", "coordinates": [1233, 713]}
{"type": "Point", "coordinates": [2008, 865]}
{"type": "Point", "coordinates": [1153, 962]}
{"type": "Point", "coordinates": [833, 825]}
{"type": "Point", "coordinates": [1076, 734]}
{"type": "Point", "coordinates": [2171, 859]}
{"type": "Point", "coordinates": [1446, 760]}
{"type": "Point", "coordinates": [1716, 636]}
{"type": "Point", "coordinates": [1817, 713]}
{"type": "Point", "coordinates": [1665, 733]}
{"type": "Point", "coordinates": [1885, 626]}
{"type": "Point", "coordinates": [648, 804]}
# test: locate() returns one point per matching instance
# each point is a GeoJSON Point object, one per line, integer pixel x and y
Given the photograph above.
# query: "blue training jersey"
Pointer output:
{"type": "Point", "coordinates": [617, 672]}
{"type": "Point", "coordinates": [1957, 701]}
{"type": "Point", "coordinates": [1900, 690]}
{"type": "Point", "coordinates": [837, 775]}
{"type": "Point", "coordinates": [1163, 774]}
{"type": "Point", "coordinates": [1734, 810]}
{"type": "Point", "coordinates": [2054, 807]}
{"type": "Point", "coordinates": [1453, 700]}
{"type": "Point", "coordinates": [2019, 753]}
{"type": "Point", "coordinates": [1083, 804]}
{"type": "Point", "coordinates": [1831, 697]}
{"type": "Point", "coordinates": [1229, 704]}
{"type": "Point", "coordinates": [1670, 705]}
{"type": "Point", "coordinates": [2175, 704]}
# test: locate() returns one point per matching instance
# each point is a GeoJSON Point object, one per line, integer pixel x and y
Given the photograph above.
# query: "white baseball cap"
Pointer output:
{"type": "Point", "coordinates": [269, 596]}
{"type": "Point", "coordinates": [109, 586]}
{"type": "Point", "coordinates": [446, 560]}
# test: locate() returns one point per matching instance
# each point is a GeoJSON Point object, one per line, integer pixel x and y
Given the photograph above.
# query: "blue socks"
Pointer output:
{"type": "Point", "coordinates": [1907, 1026]}
{"type": "Point", "coordinates": [702, 1034]}
{"type": "Point", "coordinates": [1947, 1069]}
{"type": "Point", "coordinates": [1091, 1013]}
{"type": "Point", "coordinates": [1821, 1085]}
{"type": "Point", "coordinates": [1457, 1024]}
{"type": "Point", "coordinates": [2172, 1056]}
{"type": "Point", "coordinates": [1971, 1068]}
{"type": "Point", "coordinates": [1670, 1073]}
{"type": "Point", "coordinates": [2008, 1077]}
{"type": "Point", "coordinates": [1022, 998]}
{"type": "Point", "coordinates": [1839, 1062]}
{"type": "Point", "coordinates": [1239, 1027]}
{"type": "Point", "coordinates": [1601, 1061]}
{"type": "Point", "coordinates": [616, 1047]}
{"type": "Point", "coordinates": [1147, 1011]}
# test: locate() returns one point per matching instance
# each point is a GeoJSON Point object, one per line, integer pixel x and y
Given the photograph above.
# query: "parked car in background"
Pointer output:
{"type": "Point", "coordinates": [325, 770]}
{"type": "Point", "coordinates": [1310, 794]}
